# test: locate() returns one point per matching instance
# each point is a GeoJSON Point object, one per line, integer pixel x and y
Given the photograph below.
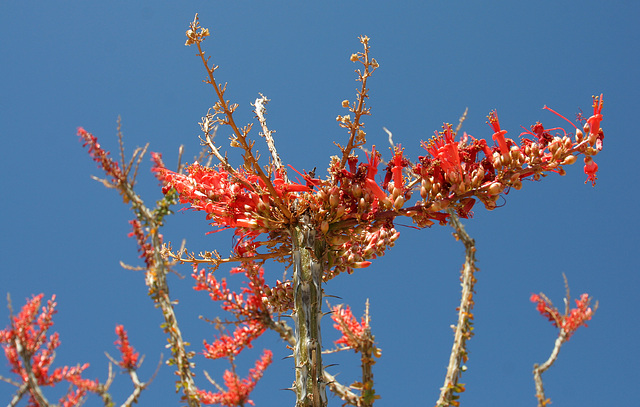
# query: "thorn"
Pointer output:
{"type": "Point", "coordinates": [333, 296]}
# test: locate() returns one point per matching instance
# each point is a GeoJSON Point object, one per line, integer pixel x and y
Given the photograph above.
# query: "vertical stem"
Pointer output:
{"type": "Point", "coordinates": [309, 259]}
{"type": "Point", "coordinates": [463, 330]}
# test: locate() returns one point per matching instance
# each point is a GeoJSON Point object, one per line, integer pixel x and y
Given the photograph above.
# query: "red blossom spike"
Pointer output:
{"type": "Point", "coordinates": [129, 356]}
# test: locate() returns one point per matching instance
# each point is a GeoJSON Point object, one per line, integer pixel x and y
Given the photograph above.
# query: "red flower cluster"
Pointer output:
{"type": "Point", "coordinates": [231, 200]}
{"type": "Point", "coordinates": [110, 167]}
{"type": "Point", "coordinates": [30, 352]}
{"type": "Point", "coordinates": [572, 320]}
{"type": "Point", "coordinates": [352, 331]}
{"type": "Point", "coordinates": [355, 214]}
{"type": "Point", "coordinates": [129, 356]}
{"type": "Point", "coordinates": [251, 310]}
{"type": "Point", "coordinates": [237, 393]}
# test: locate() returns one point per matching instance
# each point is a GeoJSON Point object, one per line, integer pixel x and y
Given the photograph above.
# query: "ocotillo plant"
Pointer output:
{"type": "Point", "coordinates": [319, 227]}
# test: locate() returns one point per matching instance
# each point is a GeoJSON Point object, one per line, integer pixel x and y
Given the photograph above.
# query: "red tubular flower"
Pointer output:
{"type": "Point", "coordinates": [372, 170]}
{"type": "Point", "coordinates": [398, 164]}
{"type": "Point", "coordinates": [594, 121]}
{"type": "Point", "coordinates": [498, 134]}
{"type": "Point", "coordinates": [238, 391]}
{"type": "Point", "coordinates": [129, 356]}
{"type": "Point", "coordinates": [444, 147]}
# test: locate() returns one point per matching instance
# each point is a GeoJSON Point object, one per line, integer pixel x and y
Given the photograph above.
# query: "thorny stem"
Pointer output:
{"type": "Point", "coordinates": [309, 260]}
{"type": "Point", "coordinates": [158, 266]}
{"type": "Point", "coordinates": [367, 361]}
{"type": "Point", "coordinates": [539, 369]}
{"type": "Point", "coordinates": [463, 330]}
{"type": "Point", "coordinates": [336, 387]}
{"type": "Point", "coordinates": [159, 290]}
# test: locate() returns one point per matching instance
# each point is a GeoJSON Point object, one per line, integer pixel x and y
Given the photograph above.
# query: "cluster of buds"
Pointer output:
{"type": "Point", "coordinates": [279, 297]}
{"type": "Point", "coordinates": [355, 247]}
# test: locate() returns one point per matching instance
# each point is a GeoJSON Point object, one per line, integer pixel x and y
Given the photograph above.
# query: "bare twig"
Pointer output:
{"type": "Point", "coordinates": [261, 111]}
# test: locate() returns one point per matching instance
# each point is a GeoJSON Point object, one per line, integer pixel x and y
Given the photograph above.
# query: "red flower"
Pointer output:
{"type": "Point", "coordinates": [444, 147]}
{"type": "Point", "coordinates": [590, 168]}
{"type": "Point", "coordinates": [372, 170]}
{"type": "Point", "coordinates": [594, 121]}
{"type": "Point", "coordinates": [498, 134]}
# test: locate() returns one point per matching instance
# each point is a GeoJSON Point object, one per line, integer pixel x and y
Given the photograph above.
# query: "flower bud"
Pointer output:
{"type": "Point", "coordinates": [324, 226]}
{"type": "Point", "coordinates": [333, 200]}
{"type": "Point", "coordinates": [356, 190]}
{"type": "Point", "coordinates": [570, 160]}
{"type": "Point", "coordinates": [423, 192]}
{"type": "Point", "coordinates": [398, 202]}
{"type": "Point", "coordinates": [345, 103]}
{"type": "Point", "coordinates": [495, 188]}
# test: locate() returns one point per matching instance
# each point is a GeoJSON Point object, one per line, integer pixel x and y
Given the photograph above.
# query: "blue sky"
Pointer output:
{"type": "Point", "coordinates": [86, 63]}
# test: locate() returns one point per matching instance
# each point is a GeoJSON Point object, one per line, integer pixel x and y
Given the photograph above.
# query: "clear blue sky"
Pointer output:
{"type": "Point", "coordinates": [70, 64]}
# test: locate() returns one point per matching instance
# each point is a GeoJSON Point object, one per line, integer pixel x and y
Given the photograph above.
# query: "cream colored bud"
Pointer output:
{"type": "Point", "coordinates": [517, 185]}
{"type": "Point", "coordinates": [345, 103]}
{"type": "Point", "coordinates": [489, 205]}
{"type": "Point", "coordinates": [398, 202]}
{"type": "Point", "coordinates": [570, 160]}
{"type": "Point", "coordinates": [356, 190]}
{"type": "Point", "coordinates": [426, 184]}
{"type": "Point", "coordinates": [567, 143]}
{"type": "Point", "coordinates": [579, 135]}
{"type": "Point", "coordinates": [354, 57]}
{"type": "Point", "coordinates": [495, 188]}
{"type": "Point", "coordinates": [333, 200]}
